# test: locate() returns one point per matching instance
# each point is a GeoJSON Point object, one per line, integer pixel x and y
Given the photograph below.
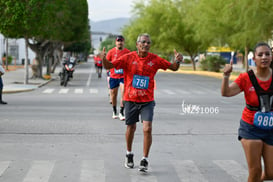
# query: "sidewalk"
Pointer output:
{"type": "Point", "coordinates": [14, 79]}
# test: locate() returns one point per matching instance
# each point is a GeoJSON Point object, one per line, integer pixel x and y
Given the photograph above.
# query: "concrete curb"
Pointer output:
{"type": "Point", "coordinates": [202, 73]}
{"type": "Point", "coordinates": [16, 88]}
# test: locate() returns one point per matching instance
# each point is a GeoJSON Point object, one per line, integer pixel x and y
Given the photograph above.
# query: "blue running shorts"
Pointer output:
{"type": "Point", "coordinates": [115, 82]}
{"type": "Point", "coordinates": [248, 131]}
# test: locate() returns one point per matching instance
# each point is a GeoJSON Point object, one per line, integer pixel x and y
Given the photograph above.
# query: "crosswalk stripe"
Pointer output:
{"type": "Point", "coordinates": [3, 166]}
{"type": "Point", "coordinates": [63, 91]}
{"type": "Point", "coordinates": [187, 171]}
{"type": "Point", "coordinates": [92, 171]}
{"type": "Point", "coordinates": [183, 92]}
{"type": "Point", "coordinates": [94, 91]}
{"type": "Point", "coordinates": [199, 92]}
{"type": "Point", "coordinates": [40, 171]}
{"type": "Point", "coordinates": [168, 92]}
{"type": "Point", "coordinates": [233, 168]}
{"type": "Point", "coordinates": [48, 90]}
{"type": "Point", "coordinates": [157, 92]}
{"type": "Point", "coordinates": [78, 90]}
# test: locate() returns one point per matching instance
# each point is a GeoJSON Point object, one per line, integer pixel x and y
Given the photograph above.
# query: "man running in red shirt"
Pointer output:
{"type": "Point", "coordinates": [98, 63]}
{"type": "Point", "coordinates": [139, 69]}
{"type": "Point", "coordinates": [116, 77]}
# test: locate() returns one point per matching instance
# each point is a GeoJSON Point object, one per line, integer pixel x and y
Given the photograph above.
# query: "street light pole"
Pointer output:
{"type": "Point", "coordinates": [7, 53]}
{"type": "Point", "coordinates": [26, 62]}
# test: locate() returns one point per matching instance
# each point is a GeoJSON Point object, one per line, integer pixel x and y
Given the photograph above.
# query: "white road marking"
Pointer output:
{"type": "Point", "coordinates": [78, 90]}
{"type": "Point", "coordinates": [233, 168]}
{"type": "Point", "coordinates": [3, 166]}
{"type": "Point", "coordinates": [40, 171]}
{"type": "Point", "coordinates": [64, 91]}
{"type": "Point", "coordinates": [48, 91]}
{"type": "Point", "coordinates": [92, 171]}
{"type": "Point", "coordinates": [187, 171]}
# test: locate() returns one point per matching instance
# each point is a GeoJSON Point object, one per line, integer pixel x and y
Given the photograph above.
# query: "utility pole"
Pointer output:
{"type": "Point", "coordinates": [26, 62]}
{"type": "Point", "coordinates": [7, 53]}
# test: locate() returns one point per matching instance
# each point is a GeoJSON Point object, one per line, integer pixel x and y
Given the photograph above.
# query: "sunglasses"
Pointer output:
{"type": "Point", "coordinates": [119, 40]}
{"type": "Point", "coordinates": [144, 41]}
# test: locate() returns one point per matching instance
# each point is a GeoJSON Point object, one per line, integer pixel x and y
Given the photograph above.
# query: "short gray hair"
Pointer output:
{"type": "Point", "coordinates": [142, 35]}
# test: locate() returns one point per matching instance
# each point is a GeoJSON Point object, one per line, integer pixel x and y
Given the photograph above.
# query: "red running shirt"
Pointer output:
{"type": "Point", "coordinates": [251, 97]}
{"type": "Point", "coordinates": [112, 55]}
{"type": "Point", "coordinates": [133, 65]}
{"type": "Point", "coordinates": [98, 61]}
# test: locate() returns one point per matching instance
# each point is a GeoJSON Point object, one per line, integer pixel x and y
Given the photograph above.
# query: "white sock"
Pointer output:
{"type": "Point", "coordinates": [129, 152]}
{"type": "Point", "coordinates": [146, 158]}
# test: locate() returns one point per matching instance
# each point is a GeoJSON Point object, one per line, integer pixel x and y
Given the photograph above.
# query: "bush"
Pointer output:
{"type": "Point", "coordinates": [187, 61]}
{"type": "Point", "coordinates": [212, 63]}
{"type": "Point", "coordinates": [9, 60]}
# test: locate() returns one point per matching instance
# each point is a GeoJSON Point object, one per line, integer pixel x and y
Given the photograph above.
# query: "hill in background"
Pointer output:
{"type": "Point", "coordinates": [112, 26]}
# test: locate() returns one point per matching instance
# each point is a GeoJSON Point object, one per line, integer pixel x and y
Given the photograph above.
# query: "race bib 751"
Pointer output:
{"type": "Point", "coordinates": [141, 82]}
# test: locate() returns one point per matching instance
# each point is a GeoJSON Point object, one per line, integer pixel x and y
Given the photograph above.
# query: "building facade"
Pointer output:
{"type": "Point", "coordinates": [16, 49]}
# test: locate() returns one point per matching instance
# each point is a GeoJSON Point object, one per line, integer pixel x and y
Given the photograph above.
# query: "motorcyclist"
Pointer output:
{"type": "Point", "coordinates": [68, 69]}
{"type": "Point", "coordinates": [67, 61]}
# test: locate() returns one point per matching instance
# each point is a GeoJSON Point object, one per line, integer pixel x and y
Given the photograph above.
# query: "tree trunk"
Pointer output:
{"type": "Point", "coordinates": [58, 54]}
{"type": "Point", "coordinates": [193, 65]}
{"type": "Point", "coordinates": [40, 48]}
{"type": "Point", "coordinates": [246, 59]}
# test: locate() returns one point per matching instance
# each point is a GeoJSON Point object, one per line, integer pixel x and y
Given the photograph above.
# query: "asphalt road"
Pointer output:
{"type": "Point", "coordinates": [57, 134]}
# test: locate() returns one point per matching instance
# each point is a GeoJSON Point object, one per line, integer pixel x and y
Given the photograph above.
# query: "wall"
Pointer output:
{"type": "Point", "coordinates": [17, 49]}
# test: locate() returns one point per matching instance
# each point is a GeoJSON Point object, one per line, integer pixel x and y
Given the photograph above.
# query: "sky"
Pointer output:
{"type": "Point", "coordinates": [109, 9]}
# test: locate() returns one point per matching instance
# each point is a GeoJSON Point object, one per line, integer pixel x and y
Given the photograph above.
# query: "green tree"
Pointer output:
{"type": "Point", "coordinates": [165, 21]}
{"type": "Point", "coordinates": [20, 19]}
{"type": "Point", "coordinates": [240, 24]}
{"type": "Point", "coordinates": [251, 25]}
{"type": "Point", "coordinates": [108, 43]}
{"type": "Point", "coordinates": [67, 23]}
{"type": "Point", "coordinates": [46, 25]}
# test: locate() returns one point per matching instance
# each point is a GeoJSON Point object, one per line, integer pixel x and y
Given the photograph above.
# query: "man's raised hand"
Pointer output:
{"type": "Point", "coordinates": [178, 56]}
{"type": "Point", "coordinates": [228, 68]}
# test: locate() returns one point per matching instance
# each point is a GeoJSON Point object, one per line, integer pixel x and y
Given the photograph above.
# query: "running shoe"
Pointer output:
{"type": "Point", "coordinates": [129, 161]}
{"type": "Point", "coordinates": [115, 116]}
{"type": "Point", "coordinates": [121, 117]}
{"type": "Point", "coordinates": [143, 165]}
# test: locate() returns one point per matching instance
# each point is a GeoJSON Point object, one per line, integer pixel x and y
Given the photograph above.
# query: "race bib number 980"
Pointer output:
{"type": "Point", "coordinates": [264, 120]}
{"type": "Point", "coordinates": [141, 82]}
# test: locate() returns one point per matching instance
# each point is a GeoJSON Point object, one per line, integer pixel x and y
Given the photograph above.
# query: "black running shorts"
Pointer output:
{"type": "Point", "coordinates": [134, 109]}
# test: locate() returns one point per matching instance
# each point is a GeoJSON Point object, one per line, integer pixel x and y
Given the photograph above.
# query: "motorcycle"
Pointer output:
{"type": "Point", "coordinates": [67, 71]}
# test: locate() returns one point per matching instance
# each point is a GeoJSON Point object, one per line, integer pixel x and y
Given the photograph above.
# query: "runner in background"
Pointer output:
{"type": "Point", "coordinates": [98, 65]}
{"type": "Point", "coordinates": [108, 85]}
{"type": "Point", "coordinates": [116, 80]}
